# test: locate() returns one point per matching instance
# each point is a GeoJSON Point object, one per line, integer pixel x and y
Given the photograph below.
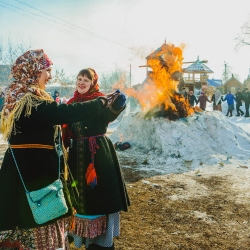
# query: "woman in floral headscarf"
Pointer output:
{"type": "Point", "coordinates": [216, 99]}
{"type": "Point", "coordinates": [29, 120]}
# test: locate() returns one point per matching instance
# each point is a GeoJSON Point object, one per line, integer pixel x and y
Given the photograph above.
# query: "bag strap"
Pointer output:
{"type": "Point", "coordinates": [17, 167]}
{"type": "Point", "coordinates": [59, 162]}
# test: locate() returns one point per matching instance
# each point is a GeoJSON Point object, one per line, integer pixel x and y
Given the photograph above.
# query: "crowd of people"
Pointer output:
{"type": "Point", "coordinates": [242, 97]}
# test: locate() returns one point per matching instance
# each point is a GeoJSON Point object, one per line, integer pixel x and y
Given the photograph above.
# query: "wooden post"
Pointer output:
{"type": "Point", "coordinates": [130, 75]}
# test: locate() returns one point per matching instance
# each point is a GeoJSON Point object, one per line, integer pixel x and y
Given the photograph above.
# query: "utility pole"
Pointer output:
{"type": "Point", "coordinates": [225, 72]}
{"type": "Point", "coordinates": [130, 75]}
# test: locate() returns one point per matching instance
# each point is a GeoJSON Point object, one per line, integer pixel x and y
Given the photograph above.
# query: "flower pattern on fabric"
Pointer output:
{"type": "Point", "coordinates": [89, 228]}
{"type": "Point", "coordinates": [24, 237]}
{"type": "Point", "coordinates": [49, 237]}
{"type": "Point", "coordinates": [26, 71]}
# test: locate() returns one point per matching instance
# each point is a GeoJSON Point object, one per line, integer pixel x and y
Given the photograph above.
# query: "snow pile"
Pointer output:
{"type": "Point", "coordinates": [175, 146]}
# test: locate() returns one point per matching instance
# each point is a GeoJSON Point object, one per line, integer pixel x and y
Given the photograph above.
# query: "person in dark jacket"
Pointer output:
{"type": "Point", "coordinates": [230, 98]}
{"type": "Point", "coordinates": [239, 98]}
{"type": "Point", "coordinates": [246, 98]}
{"type": "Point", "coordinates": [203, 101]}
{"type": "Point", "coordinates": [29, 120]}
{"type": "Point", "coordinates": [216, 99]}
{"type": "Point", "coordinates": [95, 167]}
{"type": "Point", "coordinates": [184, 92]}
{"type": "Point", "coordinates": [192, 99]}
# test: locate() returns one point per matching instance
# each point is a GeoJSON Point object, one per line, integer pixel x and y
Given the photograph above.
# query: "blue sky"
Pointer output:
{"type": "Point", "coordinates": [105, 34]}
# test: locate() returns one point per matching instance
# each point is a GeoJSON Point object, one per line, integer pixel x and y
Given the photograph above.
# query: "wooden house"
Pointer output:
{"type": "Point", "coordinates": [216, 83]}
{"type": "Point", "coordinates": [232, 84]}
{"type": "Point", "coordinates": [247, 81]}
{"type": "Point", "coordinates": [195, 75]}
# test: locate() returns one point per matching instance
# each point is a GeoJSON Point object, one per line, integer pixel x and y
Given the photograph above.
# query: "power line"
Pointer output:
{"type": "Point", "coordinates": [75, 27]}
{"type": "Point", "coordinates": [40, 21]}
{"type": "Point", "coordinates": [54, 24]}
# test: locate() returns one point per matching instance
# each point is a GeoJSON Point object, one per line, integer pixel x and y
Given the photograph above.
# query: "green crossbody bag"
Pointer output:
{"type": "Point", "coordinates": [47, 203]}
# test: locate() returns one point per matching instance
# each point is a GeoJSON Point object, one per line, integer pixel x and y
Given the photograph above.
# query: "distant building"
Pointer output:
{"type": "Point", "coordinates": [232, 84]}
{"type": "Point", "coordinates": [195, 75]}
{"type": "Point", "coordinates": [216, 83]}
{"type": "Point", "coordinates": [247, 81]}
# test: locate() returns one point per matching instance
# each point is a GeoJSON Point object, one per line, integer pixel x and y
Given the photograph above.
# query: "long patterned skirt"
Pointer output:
{"type": "Point", "coordinates": [49, 237]}
{"type": "Point", "coordinates": [100, 231]}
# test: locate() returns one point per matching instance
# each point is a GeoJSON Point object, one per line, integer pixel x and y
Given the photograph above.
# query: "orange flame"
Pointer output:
{"type": "Point", "coordinates": [161, 84]}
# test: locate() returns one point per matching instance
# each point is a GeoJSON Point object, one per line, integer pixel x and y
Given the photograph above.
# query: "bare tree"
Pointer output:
{"type": "Point", "coordinates": [105, 83]}
{"type": "Point", "coordinates": [117, 79]}
{"type": "Point", "coordinates": [10, 49]}
{"type": "Point", "coordinates": [243, 38]}
{"type": "Point", "coordinates": [66, 84]}
{"type": "Point", "coordinates": [61, 77]}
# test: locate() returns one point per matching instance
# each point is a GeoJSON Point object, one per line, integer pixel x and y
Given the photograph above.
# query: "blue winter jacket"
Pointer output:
{"type": "Point", "coordinates": [230, 99]}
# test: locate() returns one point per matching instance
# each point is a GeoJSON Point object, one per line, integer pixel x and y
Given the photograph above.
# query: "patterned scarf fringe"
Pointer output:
{"type": "Point", "coordinates": [28, 101]}
{"type": "Point", "coordinates": [89, 228]}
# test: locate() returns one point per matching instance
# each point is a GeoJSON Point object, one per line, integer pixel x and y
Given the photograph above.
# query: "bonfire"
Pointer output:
{"type": "Point", "coordinates": [159, 95]}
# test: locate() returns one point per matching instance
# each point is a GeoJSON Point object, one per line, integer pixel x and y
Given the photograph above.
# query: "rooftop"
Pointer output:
{"type": "Point", "coordinates": [197, 67]}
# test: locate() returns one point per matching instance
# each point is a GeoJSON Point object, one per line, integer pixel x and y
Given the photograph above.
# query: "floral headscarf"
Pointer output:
{"type": "Point", "coordinates": [24, 90]}
{"type": "Point", "coordinates": [217, 96]}
{"type": "Point", "coordinates": [92, 93]}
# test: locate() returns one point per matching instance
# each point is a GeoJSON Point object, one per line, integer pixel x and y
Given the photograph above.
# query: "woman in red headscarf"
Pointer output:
{"type": "Point", "coordinates": [96, 170]}
{"type": "Point", "coordinates": [29, 118]}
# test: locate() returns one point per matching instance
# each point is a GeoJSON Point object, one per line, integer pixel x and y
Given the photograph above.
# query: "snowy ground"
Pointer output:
{"type": "Point", "coordinates": [164, 147]}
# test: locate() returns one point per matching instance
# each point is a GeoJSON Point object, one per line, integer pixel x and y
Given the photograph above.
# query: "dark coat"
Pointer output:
{"type": "Point", "coordinates": [203, 101]}
{"type": "Point", "coordinates": [110, 194]}
{"type": "Point", "coordinates": [39, 167]}
{"type": "Point", "coordinates": [239, 98]}
{"type": "Point", "coordinates": [246, 97]}
{"type": "Point", "coordinates": [185, 94]}
{"type": "Point", "coordinates": [192, 99]}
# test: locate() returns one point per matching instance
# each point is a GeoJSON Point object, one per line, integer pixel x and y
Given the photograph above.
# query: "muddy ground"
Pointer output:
{"type": "Point", "coordinates": [204, 209]}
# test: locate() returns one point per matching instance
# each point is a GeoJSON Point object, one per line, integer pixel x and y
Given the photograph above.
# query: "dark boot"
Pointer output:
{"type": "Point", "coordinates": [231, 113]}
{"type": "Point", "coordinates": [97, 247]}
{"type": "Point", "coordinates": [241, 112]}
{"type": "Point", "coordinates": [227, 113]}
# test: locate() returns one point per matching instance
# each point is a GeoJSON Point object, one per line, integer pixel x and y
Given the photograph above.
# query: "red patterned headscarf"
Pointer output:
{"type": "Point", "coordinates": [91, 94]}
{"type": "Point", "coordinates": [26, 72]}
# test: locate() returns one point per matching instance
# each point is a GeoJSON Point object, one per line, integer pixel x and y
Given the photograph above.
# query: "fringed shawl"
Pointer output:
{"type": "Point", "coordinates": [217, 96]}
{"type": "Point", "coordinates": [24, 93]}
{"type": "Point", "coordinates": [26, 103]}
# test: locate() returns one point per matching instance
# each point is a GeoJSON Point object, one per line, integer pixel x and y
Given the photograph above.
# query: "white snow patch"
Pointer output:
{"type": "Point", "coordinates": [165, 146]}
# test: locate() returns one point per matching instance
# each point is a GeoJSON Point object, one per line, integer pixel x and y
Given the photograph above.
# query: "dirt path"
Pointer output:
{"type": "Point", "coordinates": [207, 209]}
